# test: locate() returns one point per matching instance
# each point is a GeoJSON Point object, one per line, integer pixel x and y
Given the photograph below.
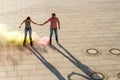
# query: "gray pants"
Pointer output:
{"type": "Point", "coordinates": [30, 35]}
{"type": "Point", "coordinates": [51, 33]}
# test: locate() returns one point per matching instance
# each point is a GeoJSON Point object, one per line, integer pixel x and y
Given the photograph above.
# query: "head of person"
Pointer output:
{"type": "Point", "coordinates": [28, 18]}
{"type": "Point", "coordinates": [53, 14]}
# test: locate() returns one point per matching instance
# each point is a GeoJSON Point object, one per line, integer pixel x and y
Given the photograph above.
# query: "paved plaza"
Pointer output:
{"type": "Point", "coordinates": [89, 40]}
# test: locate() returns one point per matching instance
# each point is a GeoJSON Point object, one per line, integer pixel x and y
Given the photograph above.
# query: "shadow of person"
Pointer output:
{"type": "Point", "coordinates": [46, 63]}
{"type": "Point", "coordinates": [89, 72]}
{"type": "Point", "coordinates": [73, 73]}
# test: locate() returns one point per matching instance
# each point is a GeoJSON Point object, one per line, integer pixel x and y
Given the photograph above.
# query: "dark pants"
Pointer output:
{"type": "Point", "coordinates": [30, 35]}
{"type": "Point", "coordinates": [51, 33]}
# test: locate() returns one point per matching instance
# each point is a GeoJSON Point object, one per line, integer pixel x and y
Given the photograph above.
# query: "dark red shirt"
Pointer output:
{"type": "Point", "coordinates": [53, 22]}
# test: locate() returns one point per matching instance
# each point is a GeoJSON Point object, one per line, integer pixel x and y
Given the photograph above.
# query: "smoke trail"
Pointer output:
{"type": "Point", "coordinates": [17, 38]}
{"type": "Point", "coordinates": [41, 40]}
{"type": "Point", "coordinates": [10, 36]}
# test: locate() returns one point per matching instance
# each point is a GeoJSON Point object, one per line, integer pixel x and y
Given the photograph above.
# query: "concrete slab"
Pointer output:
{"type": "Point", "coordinates": [85, 24]}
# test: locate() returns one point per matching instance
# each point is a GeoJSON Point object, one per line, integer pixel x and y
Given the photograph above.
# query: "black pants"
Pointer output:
{"type": "Point", "coordinates": [51, 33]}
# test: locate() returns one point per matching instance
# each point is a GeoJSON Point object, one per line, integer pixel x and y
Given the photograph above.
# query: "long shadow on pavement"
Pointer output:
{"type": "Point", "coordinates": [76, 62]}
{"type": "Point", "coordinates": [46, 63]}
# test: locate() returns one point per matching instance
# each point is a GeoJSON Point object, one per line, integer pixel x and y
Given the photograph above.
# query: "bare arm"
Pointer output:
{"type": "Point", "coordinates": [46, 22]}
{"type": "Point", "coordinates": [34, 22]}
{"type": "Point", "coordinates": [21, 24]}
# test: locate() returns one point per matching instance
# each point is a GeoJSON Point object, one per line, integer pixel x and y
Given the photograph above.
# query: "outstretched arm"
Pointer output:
{"type": "Point", "coordinates": [45, 22]}
{"type": "Point", "coordinates": [21, 24]}
{"type": "Point", "coordinates": [34, 22]}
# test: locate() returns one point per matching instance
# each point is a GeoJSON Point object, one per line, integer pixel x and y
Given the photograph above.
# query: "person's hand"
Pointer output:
{"type": "Point", "coordinates": [40, 24]}
{"type": "Point", "coordinates": [59, 28]}
{"type": "Point", "coordinates": [19, 26]}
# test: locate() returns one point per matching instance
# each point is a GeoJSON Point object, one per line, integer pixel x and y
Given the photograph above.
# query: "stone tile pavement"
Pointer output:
{"type": "Point", "coordinates": [86, 26]}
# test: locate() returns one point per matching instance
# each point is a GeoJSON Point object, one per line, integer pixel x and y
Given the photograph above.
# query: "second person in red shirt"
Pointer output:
{"type": "Point", "coordinates": [54, 22]}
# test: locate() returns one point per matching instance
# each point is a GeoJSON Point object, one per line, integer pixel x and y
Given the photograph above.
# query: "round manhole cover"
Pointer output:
{"type": "Point", "coordinates": [97, 76]}
{"type": "Point", "coordinates": [118, 75]}
{"type": "Point", "coordinates": [115, 51]}
{"type": "Point", "coordinates": [92, 51]}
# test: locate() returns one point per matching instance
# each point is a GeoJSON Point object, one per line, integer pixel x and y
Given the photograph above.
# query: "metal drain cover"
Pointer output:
{"type": "Point", "coordinates": [115, 51]}
{"type": "Point", "coordinates": [92, 51]}
{"type": "Point", "coordinates": [97, 76]}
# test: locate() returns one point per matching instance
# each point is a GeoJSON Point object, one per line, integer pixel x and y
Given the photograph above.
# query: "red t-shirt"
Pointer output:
{"type": "Point", "coordinates": [53, 22]}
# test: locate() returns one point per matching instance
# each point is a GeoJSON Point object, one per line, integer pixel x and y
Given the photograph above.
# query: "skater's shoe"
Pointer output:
{"type": "Point", "coordinates": [50, 43]}
{"type": "Point", "coordinates": [24, 44]}
{"type": "Point", "coordinates": [57, 42]}
{"type": "Point", "coordinates": [31, 43]}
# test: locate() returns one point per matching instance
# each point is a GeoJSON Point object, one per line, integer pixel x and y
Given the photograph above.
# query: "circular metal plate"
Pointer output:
{"type": "Point", "coordinates": [92, 51]}
{"type": "Point", "coordinates": [115, 51]}
{"type": "Point", "coordinates": [97, 76]}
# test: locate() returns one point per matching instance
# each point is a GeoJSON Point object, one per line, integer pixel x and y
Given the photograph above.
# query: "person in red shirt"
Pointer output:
{"type": "Point", "coordinates": [54, 22]}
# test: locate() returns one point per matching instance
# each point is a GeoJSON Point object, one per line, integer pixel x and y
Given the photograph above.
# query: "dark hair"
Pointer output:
{"type": "Point", "coordinates": [53, 14]}
{"type": "Point", "coordinates": [28, 18]}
